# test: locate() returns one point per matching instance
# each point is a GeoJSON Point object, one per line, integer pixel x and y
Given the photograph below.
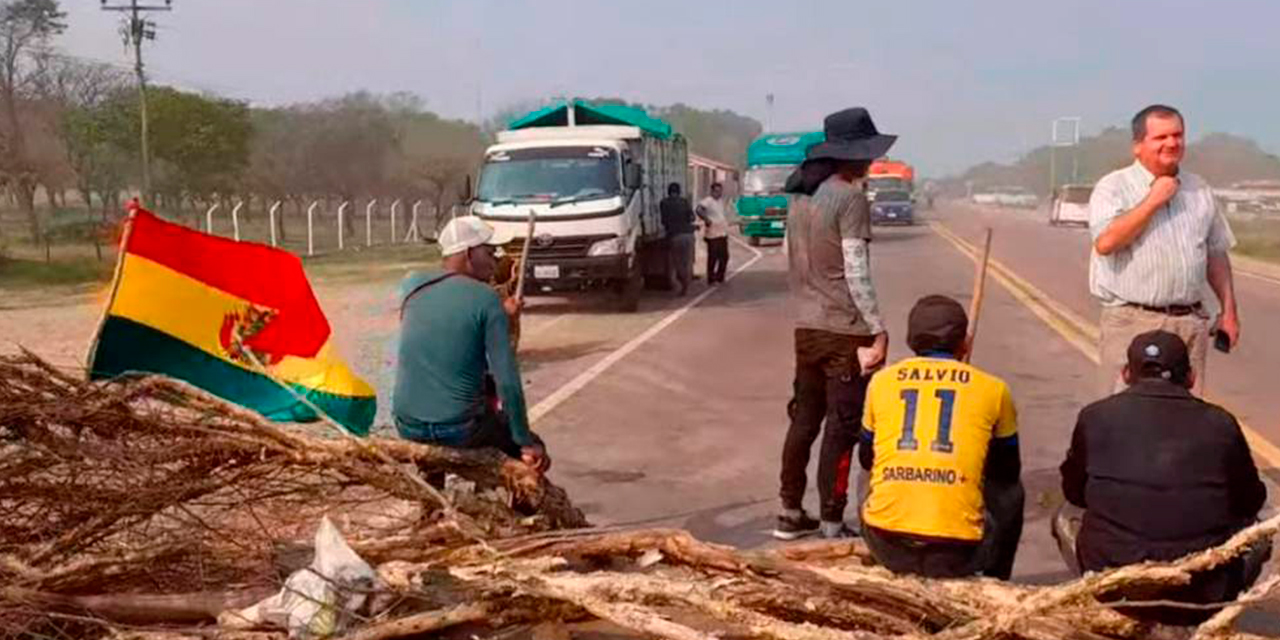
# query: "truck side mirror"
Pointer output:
{"type": "Point", "coordinates": [633, 175]}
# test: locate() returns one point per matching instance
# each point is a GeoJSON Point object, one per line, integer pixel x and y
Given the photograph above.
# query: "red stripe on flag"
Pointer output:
{"type": "Point", "coordinates": [262, 275]}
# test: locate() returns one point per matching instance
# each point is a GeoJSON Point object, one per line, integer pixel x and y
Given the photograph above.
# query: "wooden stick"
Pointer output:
{"type": "Point", "coordinates": [979, 292]}
{"type": "Point", "coordinates": [117, 273]}
{"type": "Point", "coordinates": [524, 256]}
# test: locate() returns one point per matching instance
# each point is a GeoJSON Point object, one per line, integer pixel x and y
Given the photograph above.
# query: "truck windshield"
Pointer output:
{"type": "Point", "coordinates": [878, 184]}
{"type": "Point", "coordinates": [549, 174]}
{"type": "Point", "coordinates": [765, 180]}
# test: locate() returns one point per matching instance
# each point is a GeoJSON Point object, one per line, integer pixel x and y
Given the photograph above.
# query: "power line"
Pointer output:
{"type": "Point", "coordinates": [137, 30]}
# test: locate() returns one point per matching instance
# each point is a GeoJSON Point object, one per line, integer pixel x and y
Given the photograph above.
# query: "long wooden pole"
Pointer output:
{"type": "Point", "coordinates": [979, 292]}
{"type": "Point", "coordinates": [117, 273]}
{"type": "Point", "coordinates": [524, 256]}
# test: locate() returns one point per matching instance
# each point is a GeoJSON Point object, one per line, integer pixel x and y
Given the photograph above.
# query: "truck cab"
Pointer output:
{"type": "Point", "coordinates": [771, 158]}
{"type": "Point", "coordinates": [592, 180]}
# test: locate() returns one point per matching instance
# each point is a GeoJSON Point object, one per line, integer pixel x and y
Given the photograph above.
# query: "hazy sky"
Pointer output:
{"type": "Point", "coordinates": [961, 82]}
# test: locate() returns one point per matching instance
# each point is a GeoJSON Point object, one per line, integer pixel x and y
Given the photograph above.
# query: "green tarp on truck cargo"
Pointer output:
{"type": "Point", "coordinates": [557, 115]}
{"type": "Point", "coordinates": [782, 148]}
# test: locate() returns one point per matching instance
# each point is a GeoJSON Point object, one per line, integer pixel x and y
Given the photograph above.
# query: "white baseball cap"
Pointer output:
{"type": "Point", "coordinates": [466, 232]}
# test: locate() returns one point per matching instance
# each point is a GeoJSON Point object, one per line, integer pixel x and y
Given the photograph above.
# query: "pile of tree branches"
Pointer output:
{"type": "Point", "coordinates": [145, 509]}
{"type": "Point", "coordinates": [148, 485]}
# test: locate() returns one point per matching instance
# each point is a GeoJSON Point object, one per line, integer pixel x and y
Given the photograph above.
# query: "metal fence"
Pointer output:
{"type": "Point", "coordinates": [328, 228]}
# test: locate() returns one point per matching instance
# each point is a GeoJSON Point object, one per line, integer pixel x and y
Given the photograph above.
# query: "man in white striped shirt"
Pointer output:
{"type": "Point", "coordinates": [1158, 240]}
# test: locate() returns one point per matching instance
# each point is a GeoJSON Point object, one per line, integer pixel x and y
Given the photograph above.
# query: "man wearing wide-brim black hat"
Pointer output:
{"type": "Point", "coordinates": [839, 334]}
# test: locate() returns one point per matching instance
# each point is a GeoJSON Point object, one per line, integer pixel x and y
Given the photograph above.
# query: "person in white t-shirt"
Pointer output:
{"type": "Point", "coordinates": [711, 211]}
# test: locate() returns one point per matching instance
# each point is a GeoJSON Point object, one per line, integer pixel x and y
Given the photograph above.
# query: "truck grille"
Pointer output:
{"type": "Point", "coordinates": [555, 247]}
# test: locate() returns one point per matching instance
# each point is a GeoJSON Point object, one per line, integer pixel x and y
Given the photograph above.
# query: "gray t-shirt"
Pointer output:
{"type": "Point", "coordinates": [820, 297]}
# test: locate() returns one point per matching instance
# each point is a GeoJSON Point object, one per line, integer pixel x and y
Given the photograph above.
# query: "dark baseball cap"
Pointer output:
{"type": "Point", "coordinates": [1159, 354]}
{"type": "Point", "coordinates": [937, 323]}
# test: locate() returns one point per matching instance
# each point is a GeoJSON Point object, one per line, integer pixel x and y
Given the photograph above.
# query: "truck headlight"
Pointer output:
{"type": "Point", "coordinates": [610, 247]}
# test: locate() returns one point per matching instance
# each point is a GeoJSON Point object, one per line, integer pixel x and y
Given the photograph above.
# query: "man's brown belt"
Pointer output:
{"type": "Point", "coordinates": [1169, 310]}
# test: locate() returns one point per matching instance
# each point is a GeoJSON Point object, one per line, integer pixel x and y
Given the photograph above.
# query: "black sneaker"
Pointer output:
{"type": "Point", "coordinates": [844, 532]}
{"type": "Point", "coordinates": [790, 528]}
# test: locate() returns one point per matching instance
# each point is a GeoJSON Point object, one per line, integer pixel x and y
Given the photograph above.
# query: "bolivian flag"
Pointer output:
{"type": "Point", "coordinates": [202, 309]}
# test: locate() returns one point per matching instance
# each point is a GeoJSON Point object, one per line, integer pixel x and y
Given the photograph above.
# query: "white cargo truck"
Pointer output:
{"type": "Point", "coordinates": [593, 176]}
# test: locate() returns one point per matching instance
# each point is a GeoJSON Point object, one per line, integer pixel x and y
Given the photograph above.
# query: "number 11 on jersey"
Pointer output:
{"type": "Point", "coordinates": [911, 402]}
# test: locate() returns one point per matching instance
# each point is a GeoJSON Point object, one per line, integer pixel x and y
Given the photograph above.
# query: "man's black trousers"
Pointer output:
{"type": "Point", "coordinates": [828, 388]}
{"type": "Point", "coordinates": [717, 259]}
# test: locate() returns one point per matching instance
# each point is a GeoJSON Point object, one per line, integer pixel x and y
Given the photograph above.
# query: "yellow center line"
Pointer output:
{"type": "Point", "coordinates": [1074, 328]}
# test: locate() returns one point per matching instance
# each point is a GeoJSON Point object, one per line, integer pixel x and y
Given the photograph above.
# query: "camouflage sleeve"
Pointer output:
{"type": "Point", "coordinates": [857, 275]}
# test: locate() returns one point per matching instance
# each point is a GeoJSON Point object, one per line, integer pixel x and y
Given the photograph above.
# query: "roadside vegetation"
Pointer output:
{"type": "Point", "coordinates": [1258, 237]}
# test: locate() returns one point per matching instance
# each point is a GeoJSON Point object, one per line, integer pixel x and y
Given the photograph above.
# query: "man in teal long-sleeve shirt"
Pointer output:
{"type": "Point", "coordinates": [454, 332]}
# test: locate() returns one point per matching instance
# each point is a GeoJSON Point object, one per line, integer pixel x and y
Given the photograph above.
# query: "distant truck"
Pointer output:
{"type": "Point", "coordinates": [593, 175]}
{"type": "Point", "coordinates": [886, 174]}
{"type": "Point", "coordinates": [1011, 197]}
{"type": "Point", "coordinates": [762, 207]}
{"type": "Point", "coordinates": [1071, 205]}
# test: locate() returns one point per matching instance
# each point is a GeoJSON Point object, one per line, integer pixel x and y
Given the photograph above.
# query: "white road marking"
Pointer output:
{"type": "Point", "coordinates": [547, 324]}
{"type": "Point", "coordinates": [549, 403]}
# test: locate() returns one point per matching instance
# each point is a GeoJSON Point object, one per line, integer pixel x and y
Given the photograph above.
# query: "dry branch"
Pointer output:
{"type": "Point", "coordinates": [147, 502]}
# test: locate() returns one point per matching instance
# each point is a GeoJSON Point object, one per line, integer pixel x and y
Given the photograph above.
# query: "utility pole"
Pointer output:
{"type": "Point", "coordinates": [138, 29]}
{"type": "Point", "coordinates": [768, 102]}
{"type": "Point", "coordinates": [1066, 133]}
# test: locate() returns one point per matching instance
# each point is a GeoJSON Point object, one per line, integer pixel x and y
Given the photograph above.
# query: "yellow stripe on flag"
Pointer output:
{"type": "Point", "coordinates": [325, 372]}
{"type": "Point", "coordinates": [154, 295]}
{"type": "Point", "coordinates": [170, 302]}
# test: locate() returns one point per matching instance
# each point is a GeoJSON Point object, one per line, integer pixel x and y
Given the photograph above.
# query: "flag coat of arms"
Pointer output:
{"type": "Point", "coordinates": [215, 312]}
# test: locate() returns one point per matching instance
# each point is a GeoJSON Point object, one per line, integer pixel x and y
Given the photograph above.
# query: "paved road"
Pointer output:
{"type": "Point", "coordinates": [675, 416]}
{"type": "Point", "coordinates": [685, 428]}
{"type": "Point", "coordinates": [1055, 260]}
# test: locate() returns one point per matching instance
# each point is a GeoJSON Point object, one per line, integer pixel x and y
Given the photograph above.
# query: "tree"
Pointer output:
{"type": "Point", "coordinates": [199, 144]}
{"type": "Point", "coordinates": [25, 29]}
{"type": "Point", "coordinates": [74, 93]}
{"type": "Point", "coordinates": [718, 134]}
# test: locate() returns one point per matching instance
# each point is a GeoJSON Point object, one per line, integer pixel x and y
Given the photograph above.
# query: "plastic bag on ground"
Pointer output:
{"type": "Point", "coordinates": [319, 601]}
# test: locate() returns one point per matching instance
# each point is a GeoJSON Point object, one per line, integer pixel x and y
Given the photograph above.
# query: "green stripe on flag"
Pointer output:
{"type": "Point", "coordinates": [125, 346]}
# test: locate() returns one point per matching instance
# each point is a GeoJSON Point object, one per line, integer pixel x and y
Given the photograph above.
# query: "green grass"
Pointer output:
{"type": "Point", "coordinates": [376, 263]}
{"type": "Point", "coordinates": [18, 273]}
{"type": "Point", "coordinates": [1258, 238]}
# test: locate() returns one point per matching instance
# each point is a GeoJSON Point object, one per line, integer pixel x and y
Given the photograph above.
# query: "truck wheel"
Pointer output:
{"type": "Point", "coordinates": [753, 241]}
{"type": "Point", "coordinates": [628, 290]}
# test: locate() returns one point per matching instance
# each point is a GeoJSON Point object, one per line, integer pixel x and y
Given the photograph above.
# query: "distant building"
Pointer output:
{"type": "Point", "coordinates": [1253, 196]}
{"type": "Point", "coordinates": [703, 172]}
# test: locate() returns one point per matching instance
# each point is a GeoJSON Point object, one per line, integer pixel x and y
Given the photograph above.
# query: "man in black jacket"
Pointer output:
{"type": "Point", "coordinates": [1160, 474]}
{"type": "Point", "coordinates": [677, 220]}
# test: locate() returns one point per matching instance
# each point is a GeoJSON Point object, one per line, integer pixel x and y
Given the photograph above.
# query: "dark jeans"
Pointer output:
{"type": "Point", "coordinates": [937, 558]}
{"type": "Point", "coordinates": [717, 259]}
{"type": "Point", "coordinates": [828, 387]}
{"type": "Point", "coordinates": [1220, 584]}
{"type": "Point", "coordinates": [680, 248]}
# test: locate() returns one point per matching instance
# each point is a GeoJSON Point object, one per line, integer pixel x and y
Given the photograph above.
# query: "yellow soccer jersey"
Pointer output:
{"type": "Point", "coordinates": [931, 422]}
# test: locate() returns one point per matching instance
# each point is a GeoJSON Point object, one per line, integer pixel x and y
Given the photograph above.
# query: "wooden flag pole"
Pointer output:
{"type": "Point", "coordinates": [524, 256]}
{"type": "Point", "coordinates": [979, 292]}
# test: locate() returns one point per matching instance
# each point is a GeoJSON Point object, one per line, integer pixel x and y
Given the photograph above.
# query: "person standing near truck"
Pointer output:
{"type": "Point", "coordinates": [711, 211]}
{"type": "Point", "coordinates": [677, 220]}
{"type": "Point", "coordinates": [839, 334]}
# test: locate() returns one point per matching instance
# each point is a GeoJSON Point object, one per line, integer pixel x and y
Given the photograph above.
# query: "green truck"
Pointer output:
{"type": "Point", "coordinates": [762, 207]}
